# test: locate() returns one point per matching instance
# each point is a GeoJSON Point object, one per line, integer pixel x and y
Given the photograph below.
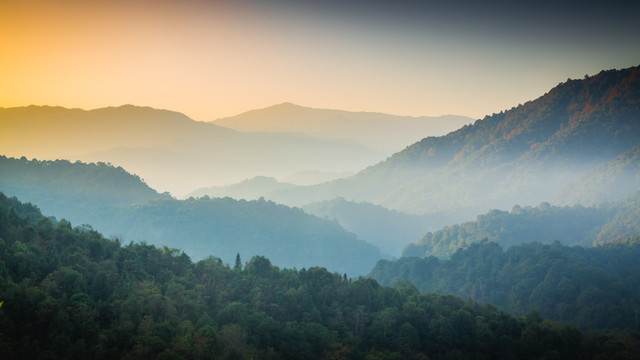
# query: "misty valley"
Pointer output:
{"type": "Point", "coordinates": [298, 233]}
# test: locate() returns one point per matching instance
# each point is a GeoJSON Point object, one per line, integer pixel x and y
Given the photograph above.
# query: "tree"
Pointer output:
{"type": "Point", "coordinates": [238, 265]}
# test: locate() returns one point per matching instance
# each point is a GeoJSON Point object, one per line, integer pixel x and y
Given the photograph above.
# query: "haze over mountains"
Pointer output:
{"type": "Point", "coordinates": [388, 133]}
{"type": "Point", "coordinates": [544, 150]}
{"type": "Point", "coordinates": [578, 144]}
{"type": "Point", "coordinates": [177, 154]}
{"type": "Point", "coordinates": [169, 150]}
{"type": "Point", "coordinates": [525, 155]}
{"type": "Point", "coordinates": [119, 204]}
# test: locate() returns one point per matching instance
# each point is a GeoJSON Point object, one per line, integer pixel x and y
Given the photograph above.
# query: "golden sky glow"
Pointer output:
{"type": "Point", "coordinates": [211, 59]}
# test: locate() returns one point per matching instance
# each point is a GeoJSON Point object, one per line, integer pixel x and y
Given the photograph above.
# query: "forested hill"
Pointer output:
{"type": "Point", "coordinates": [593, 288]}
{"type": "Point", "coordinates": [571, 225]}
{"type": "Point", "coordinates": [121, 205]}
{"type": "Point", "coordinates": [70, 293]}
{"type": "Point", "coordinates": [389, 230]}
{"type": "Point", "coordinates": [72, 190]}
{"type": "Point", "coordinates": [521, 156]}
{"type": "Point", "coordinates": [225, 227]}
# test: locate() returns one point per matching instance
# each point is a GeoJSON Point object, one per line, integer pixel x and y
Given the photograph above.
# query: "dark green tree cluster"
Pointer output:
{"type": "Point", "coordinates": [70, 293]}
{"type": "Point", "coordinates": [592, 288]}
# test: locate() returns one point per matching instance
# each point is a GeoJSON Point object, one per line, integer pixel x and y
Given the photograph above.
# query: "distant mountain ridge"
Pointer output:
{"type": "Point", "coordinates": [571, 225]}
{"type": "Point", "coordinates": [521, 156]}
{"type": "Point", "coordinates": [168, 149]}
{"type": "Point", "coordinates": [75, 191]}
{"type": "Point", "coordinates": [389, 230]}
{"type": "Point", "coordinates": [119, 204]}
{"type": "Point", "coordinates": [386, 132]}
{"type": "Point", "coordinates": [249, 189]}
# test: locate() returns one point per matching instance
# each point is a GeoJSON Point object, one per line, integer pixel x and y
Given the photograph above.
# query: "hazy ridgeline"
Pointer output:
{"type": "Point", "coordinates": [558, 171]}
{"type": "Point", "coordinates": [121, 205]}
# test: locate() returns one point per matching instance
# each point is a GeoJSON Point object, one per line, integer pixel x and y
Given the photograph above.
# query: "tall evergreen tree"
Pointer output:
{"type": "Point", "coordinates": [238, 265]}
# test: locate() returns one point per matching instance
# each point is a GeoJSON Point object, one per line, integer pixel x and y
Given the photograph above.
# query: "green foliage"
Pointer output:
{"type": "Point", "coordinates": [71, 293]}
{"type": "Point", "coordinates": [575, 225]}
{"type": "Point", "coordinates": [119, 204]}
{"type": "Point", "coordinates": [387, 229]}
{"type": "Point", "coordinates": [226, 227]}
{"type": "Point", "coordinates": [72, 190]}
{"type": "Point", "coordinates": [589, 288]}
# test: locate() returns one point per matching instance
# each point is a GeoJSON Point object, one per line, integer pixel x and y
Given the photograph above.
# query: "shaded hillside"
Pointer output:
{"type": "Point", "coordinates": [250, 189]}
{"type": "Point", "coordinates": [521, 156]}
{"type": "Point", "coordinates": [389, 133]}
{"type": "Point", "coordinates": [75, 191]}
{"type": "Point", "coordinates": [121, 205]}
{"type": "Point", "coordinates": [389, 230]}
{"type": "Point", "coordinates": [594, 289]}
{"type": "Point", "coordinates": [576, 225]}
{"type": "Point", "coordinates": [72, 294]}
{"type": "Point", "coordinates": [225, 227]}
{"type": "Point", "coordinates": [610, 181]}
{"type": "Point", "coordinates": [169, 150]}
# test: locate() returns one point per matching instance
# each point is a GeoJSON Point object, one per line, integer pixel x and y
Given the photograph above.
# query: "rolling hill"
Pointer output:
{"type": "Point", "coordinates": [389, 230]}
{"type": "Point", "coordinates": [389, 133]}
{"type": "Point", "coordinates": [592, 288]}
{"type": "Point", "coordinates": [71, 293]}
{"type": "Point", "coordinates": [119, 204]}
{"type": "Point", "coordinates": [524, 155]}
{"type": "Point", "coordinates": [571, 225]}
{"type": "Point", "coordinates": [169, 150]}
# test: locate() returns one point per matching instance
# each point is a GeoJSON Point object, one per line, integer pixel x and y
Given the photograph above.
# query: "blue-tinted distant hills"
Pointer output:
{"type": "Point", "coordinates": [121, 205]}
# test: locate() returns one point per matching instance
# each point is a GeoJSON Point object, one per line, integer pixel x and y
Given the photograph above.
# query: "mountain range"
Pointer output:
{"type": "Point", "coordinates": [118, 204]}
{"type": "Point", "coordinates": [177, 154]}
{"type": "Point", "coordinates": [579, 138]}
{"type": "Point", "coordinates": [169, 150]}
{"type": "Point", "coordinates": [525, 155]}
{"type": "Point", "coordinates": [389, 133]}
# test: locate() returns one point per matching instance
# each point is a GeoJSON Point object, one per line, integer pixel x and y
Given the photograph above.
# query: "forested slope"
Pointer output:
{"type": "Point", "coordinates": [592, 288]}
{"type": "Point", "coordinates": [73, 191]}
{"type": "Point", "coordinates": [70, 293]}
{"type": "Point", "coordinates": [523, 155]}
{"type": "Point", "coordinates": [571, 225]}
{"type": "Point", "coordinates": [122, 205]}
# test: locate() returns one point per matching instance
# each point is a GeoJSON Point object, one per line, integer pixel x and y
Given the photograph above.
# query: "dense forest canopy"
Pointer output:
{"type": "Point", "coordinates": [71, 293]}
{"type": "Point", "coordinates": [592, 288]}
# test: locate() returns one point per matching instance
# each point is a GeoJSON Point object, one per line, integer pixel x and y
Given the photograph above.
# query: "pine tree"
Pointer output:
{"type": "Point", "coordinates": [238, 265]}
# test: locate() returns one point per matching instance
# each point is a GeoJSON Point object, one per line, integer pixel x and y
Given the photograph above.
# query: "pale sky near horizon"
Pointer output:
{"type": "Point", "coordinates": [212, 59]}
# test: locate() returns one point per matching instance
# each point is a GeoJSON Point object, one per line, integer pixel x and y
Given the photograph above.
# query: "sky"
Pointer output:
{"type": "Point", "coordinates": [211, 58]}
